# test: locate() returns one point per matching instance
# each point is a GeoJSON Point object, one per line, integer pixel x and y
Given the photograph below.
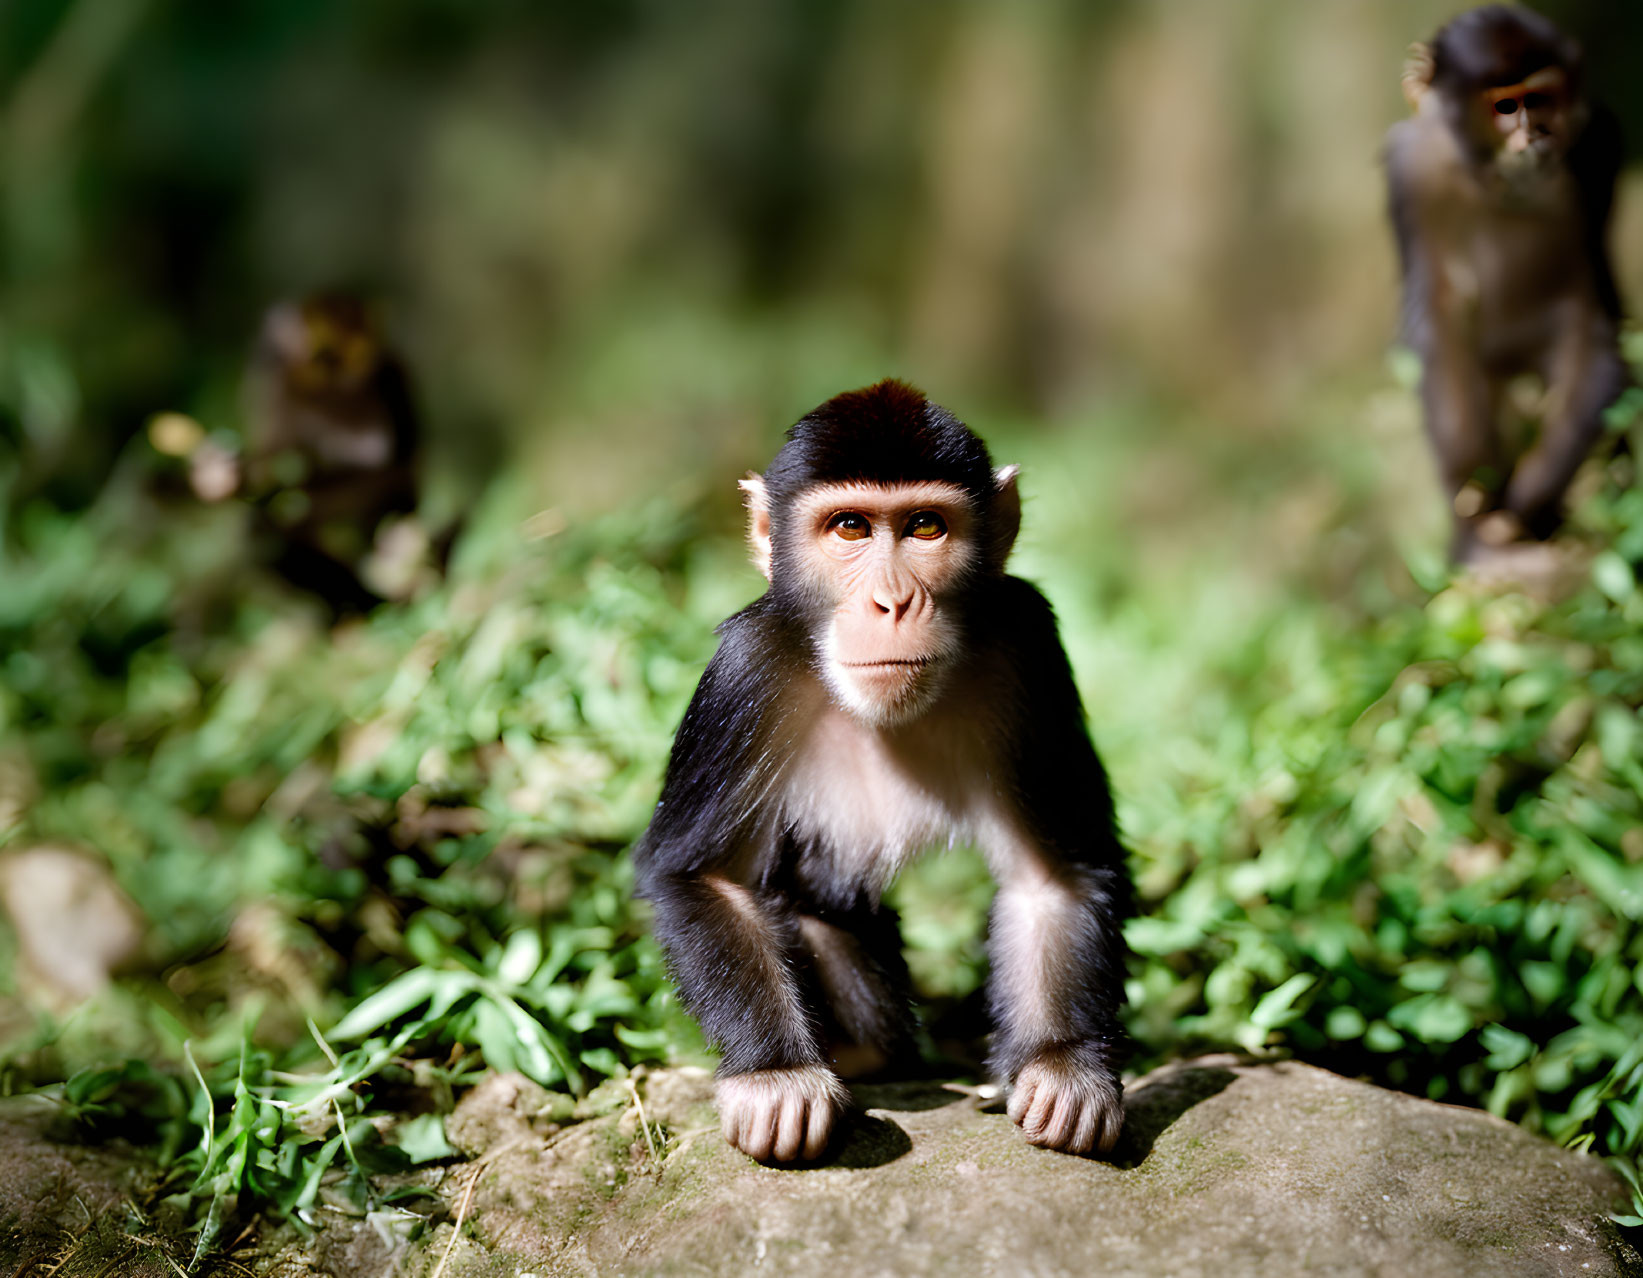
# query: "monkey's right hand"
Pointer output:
{"type": "Point", "coordinates": [780, 1115]}
{"type": "Point", "coordinates": [1063, 1103]}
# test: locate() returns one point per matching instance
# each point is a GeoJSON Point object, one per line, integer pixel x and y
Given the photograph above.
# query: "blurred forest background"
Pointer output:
{"type": "Point", "coordinates": [669, 229]}
{"type": "Point", "coordinates": [1382, 820]}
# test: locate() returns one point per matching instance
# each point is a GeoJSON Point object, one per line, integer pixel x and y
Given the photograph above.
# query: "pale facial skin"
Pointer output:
{"type": "Point", "coordinates": [887, 557]}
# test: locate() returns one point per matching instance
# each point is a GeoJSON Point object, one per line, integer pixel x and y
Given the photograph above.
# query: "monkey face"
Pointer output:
{"type": "Point", "coordinates": [880, 568]}
{"type": "Point", "coordinates": [324, 344]}
{"type": "Point", "coordinates": [890, 560]}
{"type": "Point", "coordinates": [1527, 124]}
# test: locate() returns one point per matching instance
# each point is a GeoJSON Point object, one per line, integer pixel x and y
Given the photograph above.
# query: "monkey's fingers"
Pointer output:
{"type": "Point", "coordinates": [1091, 1121]}
{"type": "Point", "coordinates": [819, 1130]}
{"type": "Point", "coordinates": [790, 1128]}
{"type": "Point", "coordinates": [779, 1115]}
{"type": "Point", "coordinates": [730, 1126]}
{"type": "Point", "coordinates": [734, 1118]}
{"type": "Point", "coordinates": [759, 1129]}
{"type": "Point", "coordinates": [1038, 1121]}
{"type": "Point", "coordinates": [1073, 1110]}
{"type": "Point", "coordinates": [741, 1118]}
{"type": "Point", "coordinates": [1061, 1128]}
{"type": "Point", "coordinates": [1108, 1122]}
{"type": "Point", "coordinates": [1094, 1130]}
{"type": "Point", "coordinates": [1021, 1098]}
{"type": "Point", "coordinates": [806, 1126]}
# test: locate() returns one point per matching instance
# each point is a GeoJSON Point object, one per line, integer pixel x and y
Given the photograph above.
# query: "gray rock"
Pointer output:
{"type": "Point", "coordinates": [74, 925]}
{"type": "Point", "coordinates": [1226, 1168]}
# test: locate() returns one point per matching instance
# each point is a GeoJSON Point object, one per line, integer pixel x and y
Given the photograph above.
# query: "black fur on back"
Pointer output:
{"type": "Point", "coordinates": [1499, 44]}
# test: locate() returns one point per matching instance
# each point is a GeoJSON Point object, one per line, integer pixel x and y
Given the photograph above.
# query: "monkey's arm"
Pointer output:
{"type": "Point", "coordinates": [1459, 406]}
{"type": "Point", "coordinates": [1425, 179]}
{"type": "Point", "coordinates": [1586, 373]}
{"type": "Point", "coordinates": [1402, 144]}
{"type": "Point", "coordinates": [1584, 370]}
{"type": "Point", "coordinates": [1429, 189]}
{"type": "Point", "coordinates": [731, 951]}
{"type": "Point", "coordinates": [1057, 939]}
{"type": "Point", "coordinates": [732, 947]}
{"type": "Point", "coordinates": [732, 956]}
{"type": "Point", "coordinates": [1595, 160]}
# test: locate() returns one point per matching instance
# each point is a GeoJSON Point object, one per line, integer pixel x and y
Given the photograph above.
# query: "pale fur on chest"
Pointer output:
{"type": "Point", "coordinates": [874, 798]}
{"type": "Point", "coordinates": [365, 448]}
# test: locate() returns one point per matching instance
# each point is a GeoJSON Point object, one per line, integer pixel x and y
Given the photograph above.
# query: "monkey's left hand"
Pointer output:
{"type": "Point", "coordinates": [1062, 1102]}
{"type": "Point", "coordinates": [781, 1115]}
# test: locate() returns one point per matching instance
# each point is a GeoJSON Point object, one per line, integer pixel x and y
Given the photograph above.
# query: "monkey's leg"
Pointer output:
{"type": "Point", "coordinates": [733, 955]}
{"type": "Point", "coordinates": [1459, 400]}
{"type": "Point", "coordinates": [862, 977]}
{"type": "Point", "coordinates": [1585, 377]}
{"type": "Point", "coordinates": [1056, 986]}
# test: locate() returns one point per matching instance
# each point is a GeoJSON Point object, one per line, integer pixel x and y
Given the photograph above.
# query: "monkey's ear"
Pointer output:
{"type": "Point", "coordinates": [758, 520]}
{"type": "Point", "coordinates": [1006, 519]}
{"type": "Point", "coordinates": [1418, 67]}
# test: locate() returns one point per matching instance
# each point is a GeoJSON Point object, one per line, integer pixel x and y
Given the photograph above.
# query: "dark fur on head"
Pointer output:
{"type": "Point", "coordinates": [1499, 44]}
{"type": "Point", "coordinates": [886, 433]}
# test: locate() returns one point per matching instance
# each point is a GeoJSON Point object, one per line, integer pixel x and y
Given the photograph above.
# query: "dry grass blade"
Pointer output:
{"type": "Point", "coordinates": [461, 1216]}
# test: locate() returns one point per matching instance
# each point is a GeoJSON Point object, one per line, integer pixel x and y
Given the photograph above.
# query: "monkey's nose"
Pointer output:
{"type": "Point", "coordinates": [892, 602]}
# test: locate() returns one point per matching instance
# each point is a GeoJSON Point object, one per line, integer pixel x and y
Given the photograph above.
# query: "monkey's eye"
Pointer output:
{"type": "Point", "coordinates": [1537, 101]}
{"type": "Point", "coordinates": [850, 525]}
{"type": "Point", "coordinates": [1505, 106]}
{"type": "Point", "coordinates": [926, 525]}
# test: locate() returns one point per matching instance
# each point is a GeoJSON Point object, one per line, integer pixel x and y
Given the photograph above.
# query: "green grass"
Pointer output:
{"type": "Point", "coordinates": [1390, 828]}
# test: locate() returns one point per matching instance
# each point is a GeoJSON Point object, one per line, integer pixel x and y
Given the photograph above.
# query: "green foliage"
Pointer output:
{"type": "Point", "coordinates": [1416, 852]}
{"type": "Point", "coordinates": [405, 829]}
{"type": "Point", "coordinates": [376, 859]}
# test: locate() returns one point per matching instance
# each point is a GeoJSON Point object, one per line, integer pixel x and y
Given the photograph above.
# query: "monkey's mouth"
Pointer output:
{"type": "Point", "coordinates": [1536, 154]}
{"type": "Point", "coordinates": [891, 665]}
{"type": "Point", "coordinates": [884, 691]}
{"type": "Point", "coordinates": [893, 681]}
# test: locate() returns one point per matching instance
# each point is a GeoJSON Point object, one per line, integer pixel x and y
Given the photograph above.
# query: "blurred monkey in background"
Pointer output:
{"type": "Point", "coordinates": [330, 453]}
{"type": "Point", "coordinates": [1501, 185]}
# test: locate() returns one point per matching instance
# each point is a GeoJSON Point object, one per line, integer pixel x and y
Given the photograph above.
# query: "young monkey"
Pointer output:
{"type": "Point", "coordinates": [1501, 185]}
{"type": "Point", "coordinates": [332, 445]}
{"type": "Point", "coordinates": [893, 689]}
